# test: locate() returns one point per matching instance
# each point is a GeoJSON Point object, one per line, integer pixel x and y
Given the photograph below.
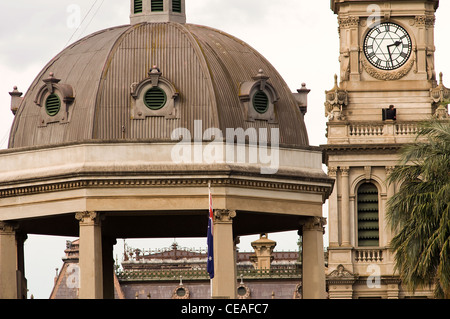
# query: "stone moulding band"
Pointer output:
{"type": "Point", "coordinates": [136, 183]}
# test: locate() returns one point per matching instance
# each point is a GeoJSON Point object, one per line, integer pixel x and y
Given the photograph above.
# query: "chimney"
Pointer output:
{"type": "Point", "coordinates": [263, 252]}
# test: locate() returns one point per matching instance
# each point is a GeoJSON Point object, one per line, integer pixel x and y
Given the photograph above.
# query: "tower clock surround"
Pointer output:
{"type": "Point", "coordinates": [387, 46]}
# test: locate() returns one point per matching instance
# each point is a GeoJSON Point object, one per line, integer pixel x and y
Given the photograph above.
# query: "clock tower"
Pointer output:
{"type": "Point", "coordinates": [386, 86]}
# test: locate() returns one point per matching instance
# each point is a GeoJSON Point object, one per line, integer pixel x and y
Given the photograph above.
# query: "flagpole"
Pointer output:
{"type": "Point", "coordinates": [210, 209]}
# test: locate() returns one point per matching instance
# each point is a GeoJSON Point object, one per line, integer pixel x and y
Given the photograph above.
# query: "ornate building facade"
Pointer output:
{"type": "Point", "coordinates": [180, 273]}
{"type": "Point", "coordinates": [386, 58]}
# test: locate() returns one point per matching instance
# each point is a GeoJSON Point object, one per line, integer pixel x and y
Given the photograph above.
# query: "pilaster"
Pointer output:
{"type": "Point", "coordinates": [345, 206]}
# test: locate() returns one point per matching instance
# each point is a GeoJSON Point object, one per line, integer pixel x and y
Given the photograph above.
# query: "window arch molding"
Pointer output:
{"type": "Point", "coordinates": [361, 179]}
{"type": "Point", "coordinates": [140, 109]}
{"type": "Point", "coordinates": [367, 213]}
{"type": "Point", "coordinates": [53, 89]}
{"type": "Point", "coordinates": [250, 94]}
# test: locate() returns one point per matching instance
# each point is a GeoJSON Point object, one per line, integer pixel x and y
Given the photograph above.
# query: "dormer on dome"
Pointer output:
{"type": "Point", "coordinates": [157, 11]}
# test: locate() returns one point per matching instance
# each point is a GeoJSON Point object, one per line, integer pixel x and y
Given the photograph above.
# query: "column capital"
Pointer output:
{"type": "Point", "coordinates": [332, 171]}
{"type": "Point", "coordinates": [389, 170]}
{"type": "Point", "coordinates": [344, 170]}
{"type": "Point", "coordinates": [224, 215]}
{"type": "Point", "coordinates": [8, 227]}
{"type": "Point", "coordinates": [88, 218]}
{"type": "Point", "coordinates": [314, 224]}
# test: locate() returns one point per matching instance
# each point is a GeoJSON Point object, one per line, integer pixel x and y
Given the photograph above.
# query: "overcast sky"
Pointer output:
{"type": "Point", "coordinates": [299, 37]}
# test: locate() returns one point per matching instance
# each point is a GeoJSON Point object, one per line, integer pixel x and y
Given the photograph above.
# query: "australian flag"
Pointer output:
{"type": "Point", "coordinates": [210, 262]}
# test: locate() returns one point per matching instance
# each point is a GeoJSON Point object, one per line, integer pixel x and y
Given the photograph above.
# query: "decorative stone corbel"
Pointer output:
{"type": "Point", "coordinates": [65, 94]}
{"type": "Point", "coordinates": [336, 100]}
{"type": "Point", "coordinates": [247, 91]}
{"type": "Point", "coordinates": [440, 97]}
{"type": "Point", "coordinates": [139, 111]}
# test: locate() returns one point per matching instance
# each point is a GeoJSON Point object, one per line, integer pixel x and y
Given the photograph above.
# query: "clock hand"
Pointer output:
{"type": "Point", "coordinates": [396, 44]}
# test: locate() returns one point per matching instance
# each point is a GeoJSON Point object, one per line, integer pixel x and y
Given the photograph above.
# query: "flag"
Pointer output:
{"type": "Point", "coordinates": [210, 262]}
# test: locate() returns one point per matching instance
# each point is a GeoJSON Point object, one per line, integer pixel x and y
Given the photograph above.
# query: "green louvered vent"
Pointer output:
{"type": "Point", "coordinates": [155, 98]}
{"type": "Point", "coordinates": [52, 105]}
{"type": "Point", "coordinates": [261, 102]}
{"type": "Point", "coordinates": [368, 229]}
{"type": "Point", "coordinates": [176, 6]}
{"type": "Point", "coordinates": [157, 5]}
{"type": "Point", "coordinates": [137, 6]}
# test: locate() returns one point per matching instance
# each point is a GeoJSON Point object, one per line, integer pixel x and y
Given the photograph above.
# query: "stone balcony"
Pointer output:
{"type": "Point", "coordinates": [376, 132]}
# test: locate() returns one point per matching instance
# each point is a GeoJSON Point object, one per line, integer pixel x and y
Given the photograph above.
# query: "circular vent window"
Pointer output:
{"type": "Point", "coordinates": [261, 102]}
{"type": "Point", "coordinates": [52, 104]}
{"type": "Point", "coordinates": [155, 98]}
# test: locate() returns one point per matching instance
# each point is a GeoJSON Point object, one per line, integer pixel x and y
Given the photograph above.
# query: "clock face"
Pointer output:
{"type": "Point", "coordinates": [387, 46]}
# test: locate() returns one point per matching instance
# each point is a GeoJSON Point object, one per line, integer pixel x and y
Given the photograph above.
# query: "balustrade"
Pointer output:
{"type": "Point", "coordinates": [368, 255]}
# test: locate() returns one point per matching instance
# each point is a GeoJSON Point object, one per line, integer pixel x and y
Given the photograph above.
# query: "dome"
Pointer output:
{"type": "Point", "coordinates": [99, 88]}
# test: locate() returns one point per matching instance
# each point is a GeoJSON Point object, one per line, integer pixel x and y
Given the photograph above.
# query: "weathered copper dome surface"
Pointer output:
{"type": "Point", "coordinates": [205, 66]}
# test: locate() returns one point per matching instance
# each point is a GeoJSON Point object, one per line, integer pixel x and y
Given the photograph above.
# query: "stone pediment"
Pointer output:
{"type": "Point", "coordinates": [340, 274]}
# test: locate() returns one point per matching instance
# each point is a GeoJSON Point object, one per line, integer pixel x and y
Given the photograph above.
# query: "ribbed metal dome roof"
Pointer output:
{"type": "Point", "coordinates": [206, 73]}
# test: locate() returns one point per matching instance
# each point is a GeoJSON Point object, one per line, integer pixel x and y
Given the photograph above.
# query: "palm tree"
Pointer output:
{"type": "Point", "coordinates": [419, 213]}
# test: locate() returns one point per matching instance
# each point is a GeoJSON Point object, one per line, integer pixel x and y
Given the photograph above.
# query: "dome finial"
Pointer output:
{"type": "Point", "coordinates": [153, 11]}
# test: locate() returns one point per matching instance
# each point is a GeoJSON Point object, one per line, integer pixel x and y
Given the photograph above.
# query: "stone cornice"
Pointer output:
{"type": "Point", "coordinates": [154, 183]}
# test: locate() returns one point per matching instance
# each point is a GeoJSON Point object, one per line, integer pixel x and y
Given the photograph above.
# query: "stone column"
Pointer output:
{"type": "Point", "coordinates": [224, 281]}
{"type": "Point", "coordinates": [8, 261]}
{"type": "Point", "coordinates": [313, 261]}
{"type": "Point", "coordinates": [345, 208]}
{"type": "Point", "coordinates": [108, 267]}
{"type": "Point", "coordinates": [21, 280]}
{"type": "Point", "coordinates": [91, 265]}
{"type": "Point", "coordinates": [333, 228]}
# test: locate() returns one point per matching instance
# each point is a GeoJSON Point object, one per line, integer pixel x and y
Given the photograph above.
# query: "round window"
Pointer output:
{"type": "Point", "coordinates": [155, 98]}
{"type": "Point", "coordinates": [181, 292]}
{"type": "Point", "coordinates": [241, 291]}
{"type": "Point", "coordinates": [52, 104]}
{"type": "Point", "coordinates": [261, 102]}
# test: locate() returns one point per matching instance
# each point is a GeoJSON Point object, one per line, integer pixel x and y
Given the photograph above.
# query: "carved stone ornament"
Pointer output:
{"type": "Point", "coordinates": [65, 94]}
{"type": "Point", "coordinates": [87, 218]}
{"type": "Point", "coordinates": [315, 223]}
{"type": "Point", "coordinates": [224, 215]}
{"type": "Point", "coordinates": [425, 20]}
{"type": "Point", "coordinates": [336, 100]}
{"type": "Point", "coordinates": [247, 91]}
{"type": "Point", "coordinates": [388, 75]}
{"type": "Point", "coordinates": [243, 292]}
{"type": "Point", "coordinates": [341, 273]}
{"type": "Point", "coordinates": [440, 97]}
{"type": "Point", "coordinates": [139, 110]}
{"type": "Point", "coordinates": [181, 292]}
{"type": "Point", "coordinates": [348, 22]}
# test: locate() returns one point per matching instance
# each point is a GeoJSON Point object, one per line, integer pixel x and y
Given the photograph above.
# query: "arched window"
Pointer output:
{"type": "Point", "coordinates": [368, 226]}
